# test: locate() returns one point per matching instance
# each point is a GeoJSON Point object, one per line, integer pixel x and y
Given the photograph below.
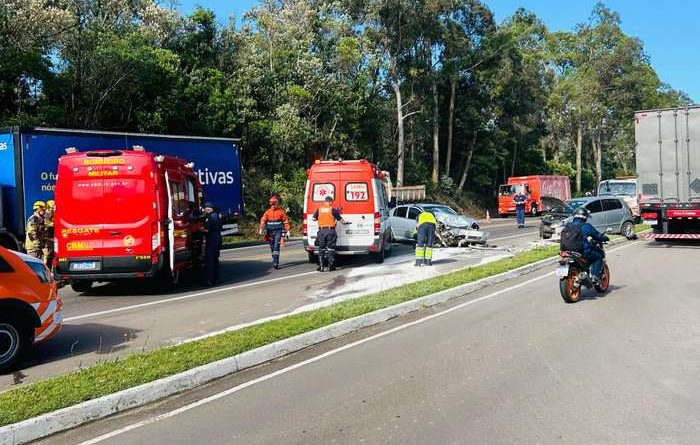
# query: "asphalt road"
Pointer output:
{"type": "Point", "coordinates": [114, 320]}
{"type": "Point", "coordinates": [516, 366]}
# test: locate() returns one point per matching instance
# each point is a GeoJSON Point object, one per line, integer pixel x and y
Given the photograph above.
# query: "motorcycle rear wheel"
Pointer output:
{"type": "Point", "coordinates": [604, 280]}
{"type": "Point", "coordinates": [569, 292]}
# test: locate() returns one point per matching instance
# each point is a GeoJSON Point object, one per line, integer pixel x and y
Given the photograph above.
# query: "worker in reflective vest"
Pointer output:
{"type": "Point", "coordinates": [275, 224]}
{"type": "Point", "coordinates": [426, 236]}
{"type": "Point", "coordinates": [327, 217]}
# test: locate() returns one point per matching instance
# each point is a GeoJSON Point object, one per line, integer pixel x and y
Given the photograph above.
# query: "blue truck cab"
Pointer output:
{"type": "Point", "coordinates": [29, 158]}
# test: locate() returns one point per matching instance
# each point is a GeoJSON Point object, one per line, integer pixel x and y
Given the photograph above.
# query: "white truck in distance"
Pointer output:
{"type": "Point", "coordinates": [668, 171]}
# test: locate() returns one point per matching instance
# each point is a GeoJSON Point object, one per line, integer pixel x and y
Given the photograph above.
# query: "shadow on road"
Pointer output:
{"type": "Point", "coordinates": [76, 340]}
{"type": "Point", "coordinates": [591, 294]}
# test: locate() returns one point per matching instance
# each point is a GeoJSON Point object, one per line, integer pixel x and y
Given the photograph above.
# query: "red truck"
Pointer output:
{"type": "Point", "coordinates": [125, 214]}
{"type": "Point", "coordinates": [536, 188]}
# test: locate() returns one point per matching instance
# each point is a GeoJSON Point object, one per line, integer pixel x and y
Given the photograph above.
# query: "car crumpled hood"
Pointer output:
{"type": "Point", "coordinates": [456, 221]}
{"type": "Point", "coordinates": [555, 217]}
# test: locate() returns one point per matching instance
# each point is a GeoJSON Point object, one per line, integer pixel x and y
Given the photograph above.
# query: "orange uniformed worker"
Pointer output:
{"type": "Point", "coordinates": [327, 217]}
{"type": "Point", "coordinates": [275, 224]}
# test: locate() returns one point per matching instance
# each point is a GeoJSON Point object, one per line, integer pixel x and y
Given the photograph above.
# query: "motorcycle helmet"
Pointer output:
{"type": "Point", "coordinates": [581, 213]}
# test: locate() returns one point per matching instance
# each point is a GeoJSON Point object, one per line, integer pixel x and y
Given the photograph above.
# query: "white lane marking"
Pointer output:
{"type": "Point", "coordinates": [186, 297]}
{"type": "Point", "coordinates": [290, 368]}
{"type": "Point", "coordinates": [512, 236]}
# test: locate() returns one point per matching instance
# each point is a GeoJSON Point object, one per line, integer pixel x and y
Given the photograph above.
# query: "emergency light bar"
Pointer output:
{"type": "Point", "coordinates": [138, 148]}
{"type": "Point", "coordinates": [71, 150]}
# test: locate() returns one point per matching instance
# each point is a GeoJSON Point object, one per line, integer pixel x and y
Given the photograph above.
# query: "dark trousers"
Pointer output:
{"type": "Point", "coordinates": [211, 263]}
{"type": "Point", "coordinates": [275, 236]}
{"type": "Point", "coordinates": [424, 244]}
{"type": "Point", "coordinates": [595, 259]}
{"type": "Point", "coordinates": [327, 239]}
{"type": "Point", "coordinates": [520, 214]}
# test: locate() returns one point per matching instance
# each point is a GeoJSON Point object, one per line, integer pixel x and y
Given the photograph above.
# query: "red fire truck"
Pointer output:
{"type": "Point", "coordinates": [536, 188]}
{"type": "Point", "coordinates": [125, 214]}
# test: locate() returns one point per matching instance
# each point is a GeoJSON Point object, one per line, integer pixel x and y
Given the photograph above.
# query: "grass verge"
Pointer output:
{"type": "Point", "coordinates": [109, 377]}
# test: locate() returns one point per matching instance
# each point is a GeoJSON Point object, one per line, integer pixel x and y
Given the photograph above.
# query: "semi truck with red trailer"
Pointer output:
{"type": "Point", "coordinates": [668, 171]}
{"type": "Point", "coordinates": [537, 188]}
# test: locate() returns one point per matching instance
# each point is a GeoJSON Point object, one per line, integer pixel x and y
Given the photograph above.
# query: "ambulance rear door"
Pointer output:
{"type": "Point", "coordinates": [357, 208]}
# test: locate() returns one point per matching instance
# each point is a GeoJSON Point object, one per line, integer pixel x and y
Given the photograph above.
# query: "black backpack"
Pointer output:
{"type": "Point", "coordinates": [571, 238]}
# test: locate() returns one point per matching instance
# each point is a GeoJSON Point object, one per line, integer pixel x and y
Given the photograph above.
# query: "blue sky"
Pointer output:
{"type": "Point", "coordinates": [668, 29]}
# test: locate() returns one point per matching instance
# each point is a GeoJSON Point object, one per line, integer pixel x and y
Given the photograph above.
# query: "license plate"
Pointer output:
{"type": "Point", "coordinates": [650, 222]}
{"type": "Point", "coordinates": [357, 232]}
{"type": "Point", "coordinates": [82, 266]}
{"type": "Point", "coordinates": [563, 271]}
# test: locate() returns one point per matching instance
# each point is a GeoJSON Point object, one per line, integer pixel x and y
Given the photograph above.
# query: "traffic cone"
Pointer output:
{"type": "Point", "coordinates": [488, 217]}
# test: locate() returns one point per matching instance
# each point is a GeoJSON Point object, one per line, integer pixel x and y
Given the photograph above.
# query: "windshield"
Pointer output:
{"type": "Point", "coordinates": [440, 209]}
{"type": "Point", "coordinates": [617, 188]}
{"type": "Point", "coordinates": [506, 190]}
{"type": "Point", "coordinates": [571, 206]}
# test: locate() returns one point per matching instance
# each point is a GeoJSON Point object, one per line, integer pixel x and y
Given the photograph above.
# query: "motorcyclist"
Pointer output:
{"type": "Point", "coordinates": [591, 251]}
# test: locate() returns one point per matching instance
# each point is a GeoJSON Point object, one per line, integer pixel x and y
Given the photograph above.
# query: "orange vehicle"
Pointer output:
{"type": "Point", "coordinates": [360, 191]}
{"type": "Point", "coordinates": [125, 214]}
{"type": "Point", "coordinates": [537, 188]}
{"type": "Point", "coordinates": [30, 308]}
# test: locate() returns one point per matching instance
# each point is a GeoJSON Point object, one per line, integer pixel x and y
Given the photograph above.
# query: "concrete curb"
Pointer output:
{"type": "Point", "coordinates": [73, 416]}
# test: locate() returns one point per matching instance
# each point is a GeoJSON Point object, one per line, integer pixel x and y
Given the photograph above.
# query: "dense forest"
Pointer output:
{"type": "Point", "coordinates": [435, 91]}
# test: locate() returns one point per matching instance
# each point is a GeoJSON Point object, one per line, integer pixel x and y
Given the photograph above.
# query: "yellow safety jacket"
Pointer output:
{"type": "Point", "coordinates": [426, 217]}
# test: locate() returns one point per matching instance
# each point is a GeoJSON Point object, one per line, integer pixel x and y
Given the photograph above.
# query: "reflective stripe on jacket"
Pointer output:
{"type": "Point", "coordinates": [274, 219]}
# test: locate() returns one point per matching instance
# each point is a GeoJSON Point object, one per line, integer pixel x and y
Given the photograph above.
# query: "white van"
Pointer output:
{"type": "Point", "coordinates": [360, 192]}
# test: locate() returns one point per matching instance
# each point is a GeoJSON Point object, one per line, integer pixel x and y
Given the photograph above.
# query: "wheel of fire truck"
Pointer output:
{"type": "Point", "coordinates": [167, 279]}
{"type": "Point", "coordinates": [313, 259]}
{"type": "Point", "coordinates": [627, 230]}
{"type": "Point", "coordinates": [16, 338]}
{"type": "Point", "coordinates": [81, 286]}
{"type": "Point", "coordinates": [533, 210]}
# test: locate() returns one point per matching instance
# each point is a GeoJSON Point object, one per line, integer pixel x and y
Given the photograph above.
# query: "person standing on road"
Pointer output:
{"type": "Point", "coordinates": [34, 240]}
{"type": "Point", "coordinates": [48, 234]}
{"type": "Point", "coordinates": [212, 246]}
{"type": "Point", "coordinates": [520, 199]}
{"type": "Point", "coordinates": [425, 228]}
{"type": "Point", "coordinates": [327, 217]}
{"type": "Point", "coordinates": [275, 224]}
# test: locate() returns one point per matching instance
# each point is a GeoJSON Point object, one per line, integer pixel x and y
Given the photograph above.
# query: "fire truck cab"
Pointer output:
{"type": "Point", "coordinates": [125, 214]}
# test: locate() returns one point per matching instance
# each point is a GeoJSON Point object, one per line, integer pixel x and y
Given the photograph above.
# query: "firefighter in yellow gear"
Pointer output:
{"type": "Point", "coordinates": [48, 235]}
{"type": "Point", "coordinates": [425, 226]}
{"type": "Point", "coordinates": [33, 242]}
